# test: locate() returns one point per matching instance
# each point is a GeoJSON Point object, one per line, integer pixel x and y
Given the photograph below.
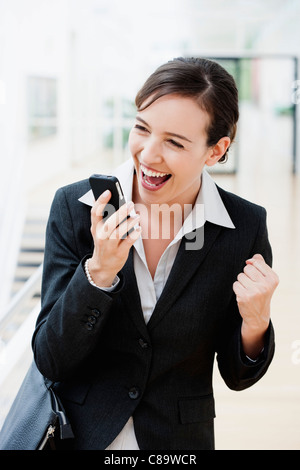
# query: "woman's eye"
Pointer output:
{"type": "Point", "coordinates": [176, 144]}
{"type": "Point", "coordinates": [140, 128]}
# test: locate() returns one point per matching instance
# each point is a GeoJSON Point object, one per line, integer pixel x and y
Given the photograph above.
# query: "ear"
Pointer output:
{"type": "Point", "coordinates": [217, 151]}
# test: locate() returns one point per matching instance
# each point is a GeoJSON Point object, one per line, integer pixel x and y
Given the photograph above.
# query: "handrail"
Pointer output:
{"type": "Point", "coordinates": [14, 350]}
{"type": "Point", "coordinates": [16, 354]}
{"type": "Point", "coordinates": [27, 290]}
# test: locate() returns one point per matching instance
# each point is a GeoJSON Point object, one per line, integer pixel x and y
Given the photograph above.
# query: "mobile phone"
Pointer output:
{"type": "Point", "coordinates": [100, 183]}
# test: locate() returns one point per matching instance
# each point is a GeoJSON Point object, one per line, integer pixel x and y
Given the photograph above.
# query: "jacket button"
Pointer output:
{"type": "Point", "coordinates": [134, 393]}
{"type": "Point", "coordinates": [89, 326]}
{"type": "Point", "coordinates": [143, 343]}
{"type": "Point", "coordinates": [92, 320]}
{"type": "Point", "coordinates": [96, 312]}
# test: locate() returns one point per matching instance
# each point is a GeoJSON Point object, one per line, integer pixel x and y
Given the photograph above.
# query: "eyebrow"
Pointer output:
{"type": "Point", "coordinates": [168, 133]}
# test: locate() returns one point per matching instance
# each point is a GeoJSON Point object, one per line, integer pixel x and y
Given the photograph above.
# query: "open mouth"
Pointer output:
{"type": "Point", "coordinates": [153, 179]}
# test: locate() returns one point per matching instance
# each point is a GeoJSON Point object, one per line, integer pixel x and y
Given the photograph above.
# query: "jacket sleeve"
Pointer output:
{"type": "Point", "coordinates": [237, 371]}
{"type": "Point", "coordinates": [73, 312]}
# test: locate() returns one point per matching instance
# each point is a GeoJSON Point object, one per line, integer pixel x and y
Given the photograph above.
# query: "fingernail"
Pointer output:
{"type": "Point", "coordinates": [106, 193]}
{"type": "Point", "coordinates": [130, 205]}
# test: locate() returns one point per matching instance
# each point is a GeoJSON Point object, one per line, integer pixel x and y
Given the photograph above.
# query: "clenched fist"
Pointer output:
{"type": "Point", "coordinates": [254, 289]}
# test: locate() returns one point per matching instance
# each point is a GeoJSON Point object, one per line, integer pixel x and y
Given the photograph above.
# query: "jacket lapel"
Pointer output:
{"type": "Point", "coordinates": [185, 264]}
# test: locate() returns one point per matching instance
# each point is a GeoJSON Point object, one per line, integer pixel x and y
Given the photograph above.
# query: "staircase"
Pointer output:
{"type": "Point", "coordinates": [31, 252]}
{"type": "Point", "coordinates": [30, 258]}
{"type": "Point", "coordinates": [18, 323]}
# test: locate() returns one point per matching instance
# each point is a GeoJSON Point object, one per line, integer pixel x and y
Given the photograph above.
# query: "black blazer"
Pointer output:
{"type": "Point", "coordinates": [109, 365]}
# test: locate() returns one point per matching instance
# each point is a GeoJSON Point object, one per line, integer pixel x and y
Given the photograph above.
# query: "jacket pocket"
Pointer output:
{"type": "Point", "coordinates": [196, 409]}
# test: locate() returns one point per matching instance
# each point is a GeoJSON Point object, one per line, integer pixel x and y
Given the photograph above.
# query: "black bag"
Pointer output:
{"type": "Point", "coordinates": [36, 419]}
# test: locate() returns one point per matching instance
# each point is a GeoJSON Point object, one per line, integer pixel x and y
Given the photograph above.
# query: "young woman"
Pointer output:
{"type": "Point", "coordinates": [130, 324]}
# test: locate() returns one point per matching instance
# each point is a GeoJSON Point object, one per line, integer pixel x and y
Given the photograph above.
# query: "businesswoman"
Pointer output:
{"type": "Point", "coordinates": [136, 306]}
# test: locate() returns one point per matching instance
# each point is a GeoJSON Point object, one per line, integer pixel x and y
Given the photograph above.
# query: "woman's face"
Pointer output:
{"type": "Point", "coordinates": [168, 146]}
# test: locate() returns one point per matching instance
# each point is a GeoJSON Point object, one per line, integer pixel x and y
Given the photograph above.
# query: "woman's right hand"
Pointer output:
{"type": "Point", "coordinates": [110, 248]}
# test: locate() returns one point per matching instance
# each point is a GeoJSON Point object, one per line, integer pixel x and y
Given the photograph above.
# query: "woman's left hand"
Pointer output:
{"type": "Point", "coordinates": [254, 289]}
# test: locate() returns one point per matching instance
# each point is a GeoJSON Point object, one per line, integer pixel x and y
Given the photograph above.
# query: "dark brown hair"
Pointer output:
{"type": "Point", "coordinates": [207, 82]}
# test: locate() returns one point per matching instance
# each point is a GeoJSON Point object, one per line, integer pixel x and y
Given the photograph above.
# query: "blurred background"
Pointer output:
{"type": "Point", "coordinates": [69, 72]}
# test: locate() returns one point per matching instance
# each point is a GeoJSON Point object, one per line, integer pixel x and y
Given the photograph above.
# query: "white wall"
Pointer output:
{"type": "Point", "coordinates": [12, 152]}
{"type": "Point", "coordinates": [32, 43]}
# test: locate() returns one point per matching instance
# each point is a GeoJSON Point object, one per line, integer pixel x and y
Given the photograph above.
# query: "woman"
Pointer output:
{"type": "Point", "coordinates": [130, 324]}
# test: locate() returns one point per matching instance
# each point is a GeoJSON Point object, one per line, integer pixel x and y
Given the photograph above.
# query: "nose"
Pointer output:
{"type": "Point", "coordinates": [151, 152]}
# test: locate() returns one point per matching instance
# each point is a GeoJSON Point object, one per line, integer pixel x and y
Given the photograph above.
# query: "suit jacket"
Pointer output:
{"type": "Point", "coordinates": [109, 365]}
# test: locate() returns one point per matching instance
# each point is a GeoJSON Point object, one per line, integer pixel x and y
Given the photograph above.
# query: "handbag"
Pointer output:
{"type": "Point", "coordinates": [36, 419]}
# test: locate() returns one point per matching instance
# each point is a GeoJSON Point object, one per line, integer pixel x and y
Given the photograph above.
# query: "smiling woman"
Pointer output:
{"type": "Point", "coordinates": [213, 89]}
{"type": "Point", "coordinates": [130, 325]}
{"type": "Point", "coordinates": [175, 166]}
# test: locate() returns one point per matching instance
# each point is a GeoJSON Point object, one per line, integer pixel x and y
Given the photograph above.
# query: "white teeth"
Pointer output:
{"type": "Point", "coordinates": [152, 173]}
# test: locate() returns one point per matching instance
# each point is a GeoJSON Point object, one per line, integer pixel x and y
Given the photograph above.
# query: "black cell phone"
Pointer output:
{"type": "Point", "coordinates": [100, 183]}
